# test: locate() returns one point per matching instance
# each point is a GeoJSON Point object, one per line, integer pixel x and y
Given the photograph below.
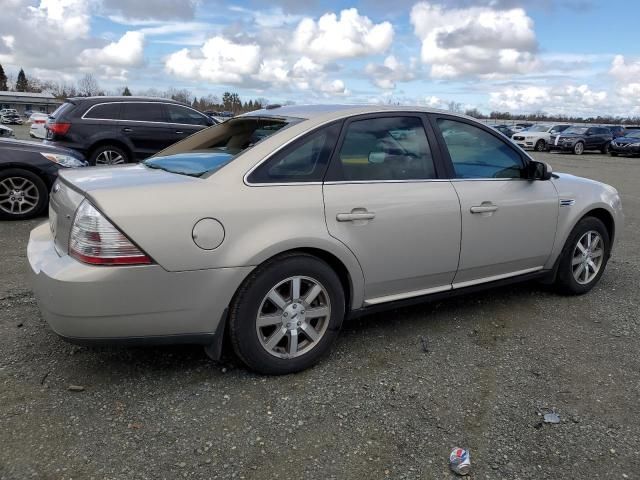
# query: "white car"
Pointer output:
{"type": "Point", "coordinates": [38, 121]}
{"type": "Point", "coordinates": [5, 131]}
{"type": "Point", "coordinates": [537, 137]}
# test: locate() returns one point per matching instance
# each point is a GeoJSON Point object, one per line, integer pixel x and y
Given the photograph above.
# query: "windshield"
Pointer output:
{"type": "Point", "coordinates": [578, 130]}
{"type": "Point", "coordinates": [538, 128]}
{"type": "Point", "coordinates": [213, 148]}
{"type": "Point", "coordinates": [635, 134]}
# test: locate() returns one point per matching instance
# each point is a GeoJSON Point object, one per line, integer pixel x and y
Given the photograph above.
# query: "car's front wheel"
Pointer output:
{"type": "Point", "coordinates": [108, 155]}
{"type": "Point", "coordinates": [584, 257]}
{"type": "Point", "coordinates": [541, 146]}
{"type": "Point", "coordinates": [287, 314]}
{"type": "Point", "coordinates": [22, 194]}
{"type": "Point", "coordinates": [578, 148]}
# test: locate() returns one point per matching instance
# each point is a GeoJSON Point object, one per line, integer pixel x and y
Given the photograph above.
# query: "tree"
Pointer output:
{"type": "Point", "coordinates": [126, 92]}
{"type": "Point", "coordinates": [22, 84]}
{"type": "Point", "coordinates": [3, 80]}
{"type": "Point", "coordinates": [474, 112]}
{"type": "Point", "coordinates": [454, 106]}
{"type": "Point", "coordinates": [88, 86]}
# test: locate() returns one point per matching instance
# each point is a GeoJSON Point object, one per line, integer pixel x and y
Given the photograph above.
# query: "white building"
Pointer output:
{"type": "Point", "coordinates": [25, 101]}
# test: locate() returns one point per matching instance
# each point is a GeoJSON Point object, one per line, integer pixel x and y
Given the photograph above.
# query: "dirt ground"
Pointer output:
{"type": "Point", "coordinates": [380, 407]}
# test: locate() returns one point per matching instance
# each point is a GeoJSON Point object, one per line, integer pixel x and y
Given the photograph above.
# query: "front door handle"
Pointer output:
{"type": "Point", "coordinates": [127, 130]}
{"type": "Point", "coordinates": [355, 215]}
{"type": "Point", "coordinates": [485, 207]}
{"type": "Point", "coordinates": [179, 132]}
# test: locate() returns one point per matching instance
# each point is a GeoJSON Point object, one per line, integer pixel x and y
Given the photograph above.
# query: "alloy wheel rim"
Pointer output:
{"type": "Point", "coordinates": [109, 157]}
{"type": "Point", "coordinates": [18, 195]}
{"type": "Point", "coordinates": [579, 148]}
{"type": "Point", "coordinates": [588, 256]}
{"type": "Point", "coordinates": [293, 317]}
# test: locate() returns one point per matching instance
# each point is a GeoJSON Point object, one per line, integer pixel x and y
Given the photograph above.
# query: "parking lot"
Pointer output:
{"type": "Point", "coordinates": [400, 390]}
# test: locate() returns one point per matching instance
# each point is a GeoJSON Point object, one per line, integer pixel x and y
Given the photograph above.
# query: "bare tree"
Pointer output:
{"type": "Point", "coordinates": [88, 86]}
{"type": "Point", "coordinates": [454, 106]}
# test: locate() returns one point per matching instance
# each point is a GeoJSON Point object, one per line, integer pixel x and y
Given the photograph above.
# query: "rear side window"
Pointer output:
{"type": "Point", "coordinates": [479, 154]}
{"type": "Point", "coordinates": [185, 116]}
{"type": "Point", "coordinates": [61, 109]}
{"type": "Point", "coordinates": [387, 148]}
{"type": "Point", "coordinates": [105, 111]}
{"type": "Point", "coordinates": [305, 161]}
{"type": "Point", "coordinates": [142, 112]}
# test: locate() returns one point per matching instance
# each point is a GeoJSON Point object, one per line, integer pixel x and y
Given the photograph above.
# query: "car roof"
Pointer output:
{"type": "Point", "coordinates": [309, 112]}
{"type": "Point", "coordinates": [105, 99]}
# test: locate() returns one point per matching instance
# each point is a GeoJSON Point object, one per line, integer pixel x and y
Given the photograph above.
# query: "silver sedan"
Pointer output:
{"type": "Point", "coordinates": [275, 226]}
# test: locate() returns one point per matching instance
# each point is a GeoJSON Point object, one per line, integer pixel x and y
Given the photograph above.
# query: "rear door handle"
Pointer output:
{"type": "Point", "coordinates": [179, 132]}
{"type": "Point", "coordinates": [486, 207]}
{"type": "Point", "coordinates": [356, 214]}
{"type": "Point", "coordinates": [127, 130]}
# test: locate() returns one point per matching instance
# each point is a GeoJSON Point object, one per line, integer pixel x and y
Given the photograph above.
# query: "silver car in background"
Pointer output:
{"type": "Point", "coordinates": [276, 225]}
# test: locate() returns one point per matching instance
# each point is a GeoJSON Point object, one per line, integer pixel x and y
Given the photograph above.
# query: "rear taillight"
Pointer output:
{"type": "Point", "coordinates": [37, 122]}
{"type": "Point", "coordinates": [96, 241]}
{"type": "Point", "coordinates": [59, 128]}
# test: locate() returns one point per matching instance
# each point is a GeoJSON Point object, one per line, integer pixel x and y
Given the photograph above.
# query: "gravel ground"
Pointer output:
{"type": "Point", "coordinates": [381, 407]}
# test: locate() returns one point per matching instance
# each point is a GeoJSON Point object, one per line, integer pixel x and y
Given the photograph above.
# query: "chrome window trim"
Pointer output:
{"type": "Point", "coordinates": [84, 115]}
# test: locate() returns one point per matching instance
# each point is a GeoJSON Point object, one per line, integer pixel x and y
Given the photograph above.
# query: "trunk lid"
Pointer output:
{"type": "Point", "coordinates": [128, 184]}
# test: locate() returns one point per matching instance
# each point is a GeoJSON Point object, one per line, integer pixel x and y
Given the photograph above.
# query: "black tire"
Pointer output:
{"type": "Point", "coordinates": [605, 148]}
{"type": "Point", "coordinates": [97, 155]}
{"type": "Point", "coordinates": [613, 154]}
{"type": "Point", "coordinates": [565, 281]}
{"type": "Point", "coordinates": [247, 301]}
{"type": "Point", "coordinates": [540, 146]}
{"type": "Point", "coordinates": [578, 150]}
{"type": "Point", "coordinates": [5, 198]}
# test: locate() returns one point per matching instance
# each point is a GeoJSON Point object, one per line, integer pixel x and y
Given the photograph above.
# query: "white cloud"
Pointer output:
{"type": "Point", "coordinates": [624, 71]}
{"type": "Point", "coordinates": [472, 41]}
{"type": "Point", "coordinates": [391, 71]}
{"type": "Point", "coordinates": [347, 36]}
{"type": "Point", "coordinates": [219, 60]}
{"type": "Point", "coordinates": [567, 99]}
{"type": "Point", "coordinates": [71, 17]}
{"type": "Point", "coordinates": [127, 51]}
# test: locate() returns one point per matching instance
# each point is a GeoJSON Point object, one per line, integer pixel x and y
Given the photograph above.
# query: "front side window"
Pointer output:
{"type": "Point", "coordinates": [305, 161]}
{"type": "Point", "coordinates": [106, 111]}
{"type": "Point", "coordinates": [142, 112]}
{"type": "Point", "coordinates": [478, 154]}
{"type": "Point", "coordinates": [387, 148]}
{"type": "Point", "coordinates": [185, 116]}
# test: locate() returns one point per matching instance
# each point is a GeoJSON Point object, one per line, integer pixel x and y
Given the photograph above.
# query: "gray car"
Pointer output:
{"type": "Point", "coordinates": [275, 226]}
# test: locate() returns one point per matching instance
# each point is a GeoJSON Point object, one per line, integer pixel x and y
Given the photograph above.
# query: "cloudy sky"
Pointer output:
{"type": "Point", "coordinates": [558, 56]}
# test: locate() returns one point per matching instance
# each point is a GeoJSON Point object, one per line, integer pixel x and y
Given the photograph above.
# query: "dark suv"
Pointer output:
{"type": "Point", "coordinates": [577, 139]}
{"type": "Point", "coordinates": [113, 130]}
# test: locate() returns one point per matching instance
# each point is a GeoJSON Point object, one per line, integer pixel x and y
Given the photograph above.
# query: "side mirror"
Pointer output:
{"type": "Point", "coordinates": [539, 170]}
{"type": "Point", "coordinates": [377, 157]}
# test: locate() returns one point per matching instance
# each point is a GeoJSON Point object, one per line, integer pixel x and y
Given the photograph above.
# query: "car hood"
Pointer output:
{"type": "Point", "coordinates": [627, 140]}
{"type": "Point", "coordinates": [570, 135]}
{"type": "Point", "coordinates": [28, 146]}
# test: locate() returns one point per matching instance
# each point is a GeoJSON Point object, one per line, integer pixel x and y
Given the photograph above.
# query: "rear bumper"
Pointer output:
{"type": "Point", "coordinates": [135, 304]}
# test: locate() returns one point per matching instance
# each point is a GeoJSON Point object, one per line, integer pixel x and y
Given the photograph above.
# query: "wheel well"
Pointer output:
{"type": "Point", "coordinates": [605, 217]}
{"type": "Point", "coordinates": [335, 263]}
{"type": "Point", "coordinates": [115, 143]}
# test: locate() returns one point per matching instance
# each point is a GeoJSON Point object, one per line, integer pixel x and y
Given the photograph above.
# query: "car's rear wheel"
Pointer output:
{"type": "Point", "coordinates": [108, 155]}
{"type": "Point", "coordinates": [578, 148]}
{"type": "Point", "coordinates": [22, 194]}
{"type": "Point", "coordinates": [287, 314]}
{"type": "Point", "coordinates": [584, 257]}
{"type": "Point", "coordinates": [613, 154]}
{"type": "Point", "coordinates": [605, 148]}
{"type": "Point", "coordinates": [541, 146]}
